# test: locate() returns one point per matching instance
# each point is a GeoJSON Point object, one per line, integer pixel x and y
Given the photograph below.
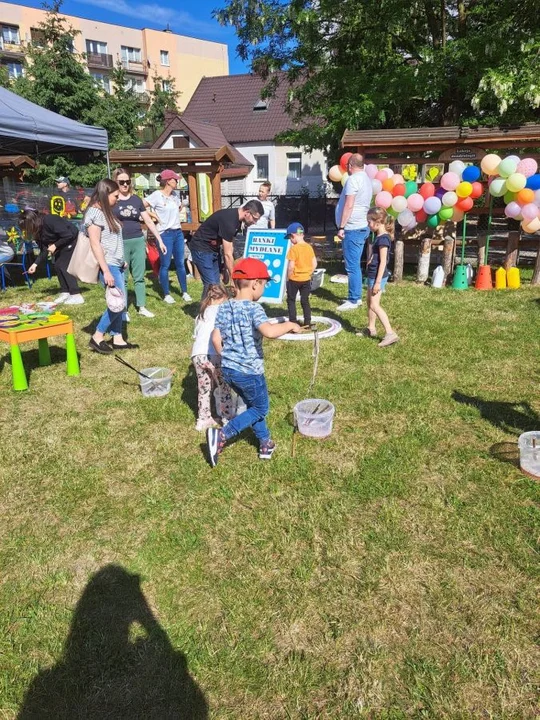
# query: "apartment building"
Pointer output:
{"type": "Point", "coordinates": [143, 53]}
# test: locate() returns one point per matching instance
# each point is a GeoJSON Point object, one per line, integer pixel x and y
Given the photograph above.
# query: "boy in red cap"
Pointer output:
{"type": "Point", "coordinates": [240, 326]}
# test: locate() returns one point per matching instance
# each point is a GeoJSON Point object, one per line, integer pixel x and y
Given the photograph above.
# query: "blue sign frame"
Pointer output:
{"type": "Point", "coordinates": [270, 246]}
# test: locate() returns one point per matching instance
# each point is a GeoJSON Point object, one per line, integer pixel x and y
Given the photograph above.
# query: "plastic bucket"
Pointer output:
{"type": "Point", "coordinates": [314, 418]}
{"type": "Point", "coordinates": [529, 452]}
{"type": "Point", "coordinates": [159, 383]}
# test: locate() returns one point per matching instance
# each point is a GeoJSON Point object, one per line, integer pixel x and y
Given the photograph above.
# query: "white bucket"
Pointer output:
{"type": "Point", "coordinates": [317, 279]}
{"type": "Point", "coordinates": [529, 452]}
{"type": "Point", "coordinates": [159, 383]}
{"type": "Point", "coordinates": [314, 418]}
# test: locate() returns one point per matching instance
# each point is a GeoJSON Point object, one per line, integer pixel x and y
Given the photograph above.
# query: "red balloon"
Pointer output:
{"type": "Point", "coordinates": [398, 189]}
{"type": "Point", "coordinates": [421, 216]}
{"type": "Point", "coordinates": [465, 204]}
{"type": "Point", "coordinates": [344, 161]}
{"type": "Point", "coordinates": [427, 190]}
{"type": "Point", "coordinates": [477, 190]}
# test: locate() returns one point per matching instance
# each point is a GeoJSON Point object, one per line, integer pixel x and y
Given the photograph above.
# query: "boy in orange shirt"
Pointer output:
{"type": "Point", "coordinates": [302, 263]}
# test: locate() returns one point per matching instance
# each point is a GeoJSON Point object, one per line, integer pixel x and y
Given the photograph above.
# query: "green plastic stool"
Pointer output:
{"type": "Point", "coordinates": [460, 281]}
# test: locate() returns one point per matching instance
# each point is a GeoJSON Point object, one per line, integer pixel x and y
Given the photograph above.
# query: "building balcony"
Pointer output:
{"type": "Point", "coordinates": [11, 50]}
{"type": "Point", "coordinates": [144, 98]}
{"type": "Point", "coordinates": [99, 60]}
{"type": "Point", "coordinates": [135, 68]}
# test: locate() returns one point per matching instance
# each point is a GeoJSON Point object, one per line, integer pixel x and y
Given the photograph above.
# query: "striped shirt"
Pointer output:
{"type": "Point", "coordinates": [111, 242]}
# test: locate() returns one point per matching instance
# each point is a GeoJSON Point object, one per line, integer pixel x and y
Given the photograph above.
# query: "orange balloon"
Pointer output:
{"type": "Point", "coordinates": [465, 204]}
{"type": "Point", "coordinates": [388, 184]}
{"type": "Point", "coordinates": [525, 196]}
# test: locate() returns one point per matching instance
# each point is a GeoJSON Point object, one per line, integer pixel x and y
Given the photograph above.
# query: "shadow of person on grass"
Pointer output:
{"type": "Point", "coordinates": [512, 417]}
{"type": "Point", "coordinates": [117, 663]}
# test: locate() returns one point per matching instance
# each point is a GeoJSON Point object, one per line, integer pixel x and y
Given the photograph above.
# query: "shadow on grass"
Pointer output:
{"type": "Point", "coordinates": [30, 359]}
{"type": "Point", "coordinates": [506, 452]}
{"type": "Point", "coordinates": [512, 417]}
{"type": "Point", "coordinates": [190, 390]}
{"type": "Point", "coordinates": [117, 663]}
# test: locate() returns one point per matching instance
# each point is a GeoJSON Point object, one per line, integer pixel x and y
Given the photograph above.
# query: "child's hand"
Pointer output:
{"type": "Point", "coordinates": [376, 288]}
{"type": "Point", "coordinates": [295, 328]}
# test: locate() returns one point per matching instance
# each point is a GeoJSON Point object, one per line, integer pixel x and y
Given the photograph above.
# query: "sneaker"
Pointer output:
{"type": "Point", "coordinates": [348, 305]}
{"type": "Point", "coordinates": [61, 298]}
{"type": "Point", "coordinates": [187, 297]}
{"type": "Point", "coordinates": [266, 450]}
{"type": "Point", "coordinates": [125, 317]}
{"type": "Point", "coordinates": [102, 347]}
{"type": "Point", "coordinates": [169, 299]}
{"type": "Point", "coordinates": [388, 339]}
{"type": "Point", "coordinates": [189, 276]}
{"type": "Point", "coordinates": [145, 313]}
{"type": "Point", "coordinates": [216, 442]}
{"type": "Point", "coordinates": [74, 300]}
{"type": "Point", "coordinates": [201, 425]}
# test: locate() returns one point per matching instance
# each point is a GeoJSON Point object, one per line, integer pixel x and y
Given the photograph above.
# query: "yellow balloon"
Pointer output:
{"type": "Point", "coordinates": [516, 182]}
{"type": "Point", "coordinates": [335, 173]}
{"type": "Point", "coordinates": [344, 178]}
{"type": "Point", "coordinates": [464, 189]}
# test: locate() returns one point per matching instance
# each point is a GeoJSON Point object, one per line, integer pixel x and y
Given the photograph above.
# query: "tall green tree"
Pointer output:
{"type": "Point", "coordinates": [393, 63]}
{"type": "Point", "coordinates": [164, 97]}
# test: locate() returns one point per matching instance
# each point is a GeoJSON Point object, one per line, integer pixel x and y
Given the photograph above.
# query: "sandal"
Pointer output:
{"type": "Point", "coordinates": [366, 332]}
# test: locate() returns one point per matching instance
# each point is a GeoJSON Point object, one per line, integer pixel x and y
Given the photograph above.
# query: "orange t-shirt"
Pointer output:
{"type": "Point", "coordinates": [302, 255]}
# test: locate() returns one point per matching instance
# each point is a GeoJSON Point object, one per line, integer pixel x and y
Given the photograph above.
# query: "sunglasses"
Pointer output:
{"type": "Point", "coordinates": [124, 182]}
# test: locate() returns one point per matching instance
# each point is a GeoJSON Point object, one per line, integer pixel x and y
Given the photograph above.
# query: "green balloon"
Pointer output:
{"type": "Point", "coordinates": [445, 213]}
{"type": "Point", "coordinates": [433, 220]}
{"type": "Point", "coordinates": [410, 188]}
{"type": "Point", "coordinates": [509, 197]}
{"type": "Point", "coordinates": [392, 212]}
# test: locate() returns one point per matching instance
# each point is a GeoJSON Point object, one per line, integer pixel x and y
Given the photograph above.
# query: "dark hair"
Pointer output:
{"type": "Point", "coordinates": [254, 206]}
{"type": "Point", "coordinates": [100, 198]}
{"type": "Point", "coordinates": [32, 222]}
{"type": "Point", "coordinates": [214, 292]}
{"type": "Point", "coordinates": [121, 171]}
{"type": "Point", "coordinates": [380, 215]}
{"type": "Point", "coordinates": [267, 184]}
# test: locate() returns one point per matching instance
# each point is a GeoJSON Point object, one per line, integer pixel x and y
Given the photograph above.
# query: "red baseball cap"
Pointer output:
{"type": "Point", "coordinates": [250, 269]}
{"type": "Point", "coordinates": [169, 175]}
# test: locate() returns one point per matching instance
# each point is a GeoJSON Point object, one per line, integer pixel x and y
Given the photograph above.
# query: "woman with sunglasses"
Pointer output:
{"type": "Point", "coordinates": [166, 203]}
{"type": "Point", "coordinates": [129, 211]}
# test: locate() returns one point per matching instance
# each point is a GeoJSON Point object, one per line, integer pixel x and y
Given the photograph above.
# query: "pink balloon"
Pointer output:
{"type": "Point", "coordinates": [415, 202]}
{"type": "Point", "coordinates": [512, 210]}
{"type": "Point", "coordinates": [383, 199]}
{"type": "Point", "coordinates": [381, 175]}
{"type": "Point", "coordinates": [458, 215]}
{"type": "Point", "coordinates": [537, 198]}
{"type": "Point", "coordinates": [371, 171]}
{"type": "Point", "coordinates": [529, 211]}
{"type": "Point", "coordinates": [527, 167]}
{"type": "Point", "coordinates": [389, 172]}
{"type": "Point", "coordinates": [376, 186]}
{"type": "Point", "coordinates": [398, 179]}
{"type": "Point", "coordinates": [450, 181]}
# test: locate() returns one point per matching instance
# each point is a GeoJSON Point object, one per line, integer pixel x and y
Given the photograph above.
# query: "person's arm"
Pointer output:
{"type": "Point", "coordinates": [275, 330]}
{"type": "Point", "coordinates": [153, 229]}
{"type": "Point", "coordinates": [37, 262]}
{"type": "Point", "coordinates": [228, 256]}
{"type": "Point", "coordinates": [150, 209]}
{"type": "Point", "coordinates": [63, 233]}
{"type": "Point", "coordinates": [217, 341]}
{"type": "Point", "coordinates": [290, 269]}
{"type": "Point", "coordinates": [272, 218]}
{"type": "Point", "coordinates": [345, 215]}
{"type": "Point", "coordinates": [94, 233]}
{"type": "Point", "coordinates": [383, 257]}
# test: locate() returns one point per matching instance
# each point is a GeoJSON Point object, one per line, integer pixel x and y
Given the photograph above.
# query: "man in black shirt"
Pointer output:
{"type": "Point", "coordinates": [216, 231]}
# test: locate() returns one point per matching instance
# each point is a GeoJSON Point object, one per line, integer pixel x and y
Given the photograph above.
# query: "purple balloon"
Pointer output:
{"type": "Point", "coordinates": [432, 205]}
{"type": "Point", "coordinates": [512, 210]}
{"type": "Point", "coordinates": [439, 192]}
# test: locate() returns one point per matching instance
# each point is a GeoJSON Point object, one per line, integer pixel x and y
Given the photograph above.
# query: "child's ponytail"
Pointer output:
{"type": "Point", "coordinates": [379, 215]}
{"type": "Point", "coordinates": [214, 292]}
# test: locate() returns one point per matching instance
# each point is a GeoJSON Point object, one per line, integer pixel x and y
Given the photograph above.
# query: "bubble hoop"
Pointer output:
{"type": "Point", "coordinates": [333, 328]}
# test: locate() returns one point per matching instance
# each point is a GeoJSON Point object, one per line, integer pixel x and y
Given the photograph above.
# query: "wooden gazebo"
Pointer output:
{"type": "Point", "coordinates": [190, 162]}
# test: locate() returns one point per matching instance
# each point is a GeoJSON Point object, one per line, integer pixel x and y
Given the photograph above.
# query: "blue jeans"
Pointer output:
{"type": "Point", "coordinates": [253, 391]}
{"type": "Point", "coordinates": [207, 264]}
{"type": "Point", "coordinates": [110, 321]}
{"type": "Point", "coordinates": [353, 247]}
{"type": "Point", "coordinates": [371, 283]}
{"type": "Point", "coordinates": [174, 242]}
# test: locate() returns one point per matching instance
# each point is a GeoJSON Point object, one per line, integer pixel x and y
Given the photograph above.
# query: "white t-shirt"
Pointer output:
{"type": "Point", "coordinates": [203, 344]}
{"type": "Point", "coordinates": [167, 208]}
{"type": "Point", "coordinates": [269, 214]}
{"type": "Point", "coordinates": [359, 185]}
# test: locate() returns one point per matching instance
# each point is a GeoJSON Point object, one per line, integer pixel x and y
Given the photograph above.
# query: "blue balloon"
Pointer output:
{"type": "Point", "coordinates": [533, 182]}
{"type": "Point", "coordinates": [470, 174]}
{"type": "Point", "coordinates": [12, 208]}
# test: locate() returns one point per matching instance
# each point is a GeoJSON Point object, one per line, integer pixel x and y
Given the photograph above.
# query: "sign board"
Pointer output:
{"type": "Point", "coordinates": [270, 246]}
{"type": "Point", "coordinates": [204, 194]}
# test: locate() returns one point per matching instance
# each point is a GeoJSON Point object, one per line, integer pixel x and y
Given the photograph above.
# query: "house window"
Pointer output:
{"type": "Point", "coordinates": [136, 84]}
{"type": "Point", "coordinates": [180, 141]}
{"type": "Point", "coordinates": [260, 105]}
{"type": "Point", "coordinates": [261, 162]}
{"type": "Point", "coordinates": [166, 85]}
{"type": "Point", "coordinates": [294, 166]}
{"type": "Point", "coordinates": [164, 57]}
{"type": "Point", "coordinates": [10, 34]}
{"type": "Point", "coordinates": [130, 54]}
{"type": "Point", "coordinates": [15, 69]}
{"type": "Point", "coordinates": [102, 80]}
{"type": "Point", "coordinates": [95, 47]}
{"type": "Point", "coordinates": [38, 37]}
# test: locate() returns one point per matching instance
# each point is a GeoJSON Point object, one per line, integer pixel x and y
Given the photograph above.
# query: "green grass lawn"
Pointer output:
{"type": "Point", "coordinates": [390, 571]}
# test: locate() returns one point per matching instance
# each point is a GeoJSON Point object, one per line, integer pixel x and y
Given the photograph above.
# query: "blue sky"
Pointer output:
{"type": "Point", "coordinates": [194, 18]}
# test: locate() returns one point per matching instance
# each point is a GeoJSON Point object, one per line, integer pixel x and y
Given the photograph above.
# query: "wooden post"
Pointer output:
{"type": "Point", "coordinates": [193, 197]}
{"type": "Point", "coordinates": [536, 274]}
{"type": "Point", "coordinates": [449, 245]}
{"type": "Point", "coordinates": [399, 259]}
{"type": "Point", "coordinates": [215, 179]}
{"type": "Point", "coordinates": [481, 242]}
{"type": "Point", "coordinates": [511, 249]}
{"type": "Point", "coordinates": [424, 258]}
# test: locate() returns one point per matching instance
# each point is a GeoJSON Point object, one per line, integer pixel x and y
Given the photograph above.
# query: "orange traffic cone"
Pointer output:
{"type": "Point", "coordinates": [483, 278]}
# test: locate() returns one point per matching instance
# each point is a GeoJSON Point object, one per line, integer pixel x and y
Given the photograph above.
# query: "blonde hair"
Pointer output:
{"type": "Point", "coordinates": [380, 215]}
{"type": "Point", "coordinates": [214, 292]}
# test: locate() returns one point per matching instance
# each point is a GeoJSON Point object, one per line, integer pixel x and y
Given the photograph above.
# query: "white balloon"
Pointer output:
{"type": "Point", "coordinates": [456, 166]}
{"type": "Point", "coordinates": [405, 218]}
{"type": "Point", "coordinates": [377, 186]}
{"type": "Point", "coordinates": [399, 203]}
{"type": "Point", "coordinates": [449, 199]}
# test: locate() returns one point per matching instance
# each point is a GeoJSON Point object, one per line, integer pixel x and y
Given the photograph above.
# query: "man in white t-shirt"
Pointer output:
{"type": "Point", "coordinates": [351, 220]}
{"type": "Point", "coordinates": [268, 220]}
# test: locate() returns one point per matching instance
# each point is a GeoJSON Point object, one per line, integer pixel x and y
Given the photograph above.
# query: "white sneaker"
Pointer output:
{"type": "Point", "coordinates": [61, 298]}
{"type": "Point", "coordinates": [187, 297]}
{"type": "Point", "coordinates": [126, 317]}
{"type": "Point", "coordinates": [146, 313]}
{"type": "Point", "coordinates": [169, 299]}
{"type": "Point", "coordinates": [348, 305]}
{"type": "Point", "coordinates": [189, 276]}
{"type": "Point", "coordinates": [75, 300]}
